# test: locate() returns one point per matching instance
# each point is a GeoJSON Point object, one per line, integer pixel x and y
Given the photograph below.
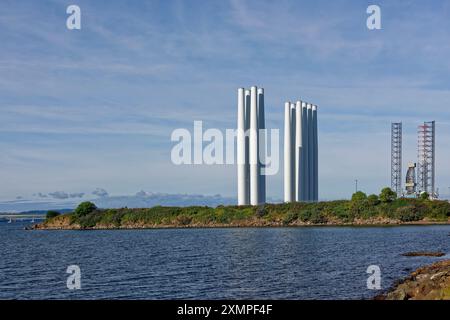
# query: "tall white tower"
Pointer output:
{"type": "Point", "coordinates": [287, 153]}
{"type": "Point", "coordinates": [247, 143]}
{"type": "Point", "coordinates": [310, 154]}
{"type": "Point", "coordinates": [316, 154]}
{"type": "Point", "coordinates": [298, 151]}
{"type": "Point", "coordinates": [301, 181]}
{"type": "Point", "coordinates": [262, 146]}
{"type": "Point", "coordinates": [241, 150]}
{"type": "Point", "coordinates": [251, 148]}
{"type": "Point", "coordinates": [254, 148]}
{"type": "Point", "coordinates": [305, 167]}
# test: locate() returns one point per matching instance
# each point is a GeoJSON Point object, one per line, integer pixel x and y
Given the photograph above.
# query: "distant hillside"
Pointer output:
{"type": "Point", "coordinates": [43, 212]}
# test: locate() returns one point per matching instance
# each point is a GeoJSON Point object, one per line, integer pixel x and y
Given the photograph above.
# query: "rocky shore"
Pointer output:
{"type": "Point", "coordinates": [64, 223]}
{"type": "Point", "coordinates": [427, 283]}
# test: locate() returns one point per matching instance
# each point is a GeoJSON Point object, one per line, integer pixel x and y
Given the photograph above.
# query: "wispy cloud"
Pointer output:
{"type": "Point", "coordinates": [61, 195]}
{"type": "Point", "coordinates": [100, 192]}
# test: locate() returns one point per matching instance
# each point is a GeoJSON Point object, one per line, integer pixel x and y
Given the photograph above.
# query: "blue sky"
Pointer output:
{"type": "Point", "coordinates": [94, 108]}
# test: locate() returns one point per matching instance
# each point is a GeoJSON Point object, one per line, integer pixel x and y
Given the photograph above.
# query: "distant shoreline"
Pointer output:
{"type": "Point", "coordinates": [40, 226]}
{"type": "Point", "coordinates": [345, 213]}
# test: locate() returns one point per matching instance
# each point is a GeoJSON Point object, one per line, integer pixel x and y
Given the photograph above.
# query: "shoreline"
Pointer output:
{"type": "Point", "coordinates": [76, 227]}
{"type": "Point", "coordinates": [345, 213]}
{"type": "Point", "coordinates": [430, 282]}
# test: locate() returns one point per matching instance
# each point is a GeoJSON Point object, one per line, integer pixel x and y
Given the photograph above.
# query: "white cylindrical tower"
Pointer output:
{"type": "Point", "coordinates": [254, 152]}
{"type": "Point", "coordinates": [310, 154]}
{"type": "Point", "coordinates": [242, 179]}
{"type": "Point", "coordinates": [305, 165]}
{"type": "Point", "coordinates": [293, 135]}
{"type": "Point", "coordinates": [315, 155]}
{"type": "Point", "coordinates": [262, 146]}
{"type": "Point", "coordinates": [298, 151]}
{"type": "Point", "coordinates": [287, 153]}
{"type": "Point", "coordinates": [247, 144]}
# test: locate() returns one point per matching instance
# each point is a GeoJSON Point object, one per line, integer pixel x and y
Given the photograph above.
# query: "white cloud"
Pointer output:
{"type": "Point", "coordinates": [100, 192]}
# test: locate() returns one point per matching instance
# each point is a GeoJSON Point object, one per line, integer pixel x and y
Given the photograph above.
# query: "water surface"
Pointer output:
{"type": "Point", "coordinates": [234, 263]}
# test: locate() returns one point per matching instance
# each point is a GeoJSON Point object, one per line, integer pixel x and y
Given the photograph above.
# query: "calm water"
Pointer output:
{"type": "Point", "coordinates": [283, 263]}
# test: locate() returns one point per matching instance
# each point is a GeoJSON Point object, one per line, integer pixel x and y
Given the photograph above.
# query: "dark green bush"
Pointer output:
{"type": "Point", "coordinates": [409, 214]}
{"type": "Point", "coordinates": [312, 215]}
{"type": "Point", "coordinates": [318, 217]}
{"type": "Point", "coordinates": [290, 217]}
{"type": "Point", "coordinates": [51, 214]}
{"type": "Point", "coordinates": [261, 211]}
{"type": "Point", "coordinates": [85, 208]}
{"type": "Point", "coordinates": [387, 195]}
{"type": "Point", "coordinates": [90, 220]}
{"type": "Point", "coordinates": [113, 217]}
{"type": "Point", "coordinates": [424, 196]}
{"type": "Point", "coordinates": [373, 200]}
{"type": "Point", "coordinates": [359, 196]}
{"type": "Point", "coordinates": [438, 209]}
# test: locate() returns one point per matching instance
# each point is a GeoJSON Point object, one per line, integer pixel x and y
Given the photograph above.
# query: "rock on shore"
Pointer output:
{"type": "Point", "coordinates": [427, 283]}
{"type": "Point", "coordinates": [423, 254]}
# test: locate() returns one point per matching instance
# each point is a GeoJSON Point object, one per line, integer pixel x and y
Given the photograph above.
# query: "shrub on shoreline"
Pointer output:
{"type": "Point", "coordinates": [85, 208]}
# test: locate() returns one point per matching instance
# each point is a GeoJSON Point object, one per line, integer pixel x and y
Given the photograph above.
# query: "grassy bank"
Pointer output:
{"type": "Point", "coordinates": [359, 211]}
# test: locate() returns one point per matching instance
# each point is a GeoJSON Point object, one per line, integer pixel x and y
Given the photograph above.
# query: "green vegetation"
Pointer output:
{"type": "Point", "coordinates": [359, 196]}
{"type": "Point", "coordinates": [51, 214]}
{"type": "Point", "coordinates": [85, 208]}
{"type": "Point", "coordinates": [424, 195]}
{"type": "Point", "coordinates": [373, 200]}
{"type": "Point", "coordinates": [360, 210]}
{"type": "Point", "coordinates": [387, 195]}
